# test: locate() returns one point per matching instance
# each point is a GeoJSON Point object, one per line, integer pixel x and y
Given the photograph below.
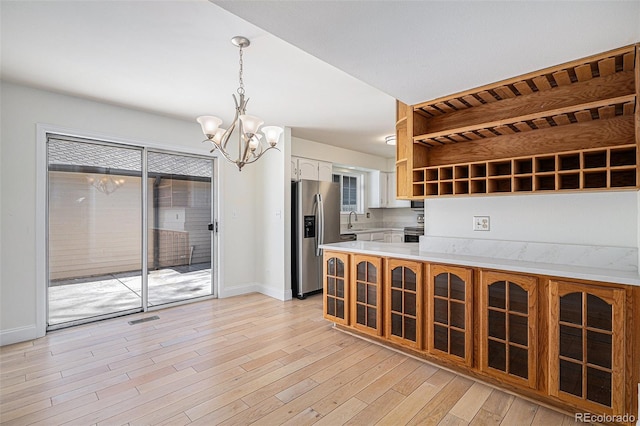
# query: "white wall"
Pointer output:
{"type": "Point", "coordinates": [270, 220]}
{"type": "Point", "coordinates": [596, 218]}
{"type": "Point", "coordinates": [21, 109]}
{"type": "Point", "coordinates": [318, 151]}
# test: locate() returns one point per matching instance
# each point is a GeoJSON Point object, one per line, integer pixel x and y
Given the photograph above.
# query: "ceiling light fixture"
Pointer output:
{"type": "Point", "coordinates": [390, 140]}
{"type": "Point", "coordinates": [248, 138]}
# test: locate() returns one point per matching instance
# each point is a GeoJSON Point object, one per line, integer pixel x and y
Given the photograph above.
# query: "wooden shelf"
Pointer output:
{"type": "Point", "coordinates": [571, 127]}
{"type": "Point", "coordinates": [599, 168]}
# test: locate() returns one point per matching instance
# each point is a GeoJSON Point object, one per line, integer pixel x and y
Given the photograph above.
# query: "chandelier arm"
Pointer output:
{"type": "Point", "coordinates": [261, 154]}
{"type": "Point", "coordinates": [224, 154]}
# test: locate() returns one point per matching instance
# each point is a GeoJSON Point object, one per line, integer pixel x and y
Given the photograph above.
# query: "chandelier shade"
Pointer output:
{"type": "Point", "coordinates": [250, 144]}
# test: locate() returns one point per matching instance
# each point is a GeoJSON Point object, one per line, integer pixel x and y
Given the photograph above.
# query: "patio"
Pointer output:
{"type": "Point", "coordinates": [86, 297]}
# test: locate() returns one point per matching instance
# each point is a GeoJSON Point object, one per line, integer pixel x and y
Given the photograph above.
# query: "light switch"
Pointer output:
{"type": "Point", "coordinates": [481, 223]}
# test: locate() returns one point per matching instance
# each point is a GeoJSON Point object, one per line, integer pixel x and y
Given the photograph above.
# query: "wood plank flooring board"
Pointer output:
{"type": "Point", "coordinates": [342, 413]}
{"type": "Point", "coordinates": [521, 412]}
{"type": "Point", "coordinates": [377, 409]}
{"type": "Point", "coordinates": [250, 415]}
{"type": "Point", "coordinates": [180, 399]}
{"type": "Point", "coordinates": [410, 383]}
{"type": "Point", "coordinates": [438, 407]}
{"type": "Point", "coordinates": [355, 386]}
{"type": "Point", "coordinates": [221, 367]}
{"type": "Point", "coordinates": [385, 382]}
{"type": "Point", "coordinates": [410, 406]}
{"type": "Point", "coordinates": [289, 410]}
{"type": "Point", "coordinates": [289, 380]}
{"type": "Point", "coordinates": [471, 402]}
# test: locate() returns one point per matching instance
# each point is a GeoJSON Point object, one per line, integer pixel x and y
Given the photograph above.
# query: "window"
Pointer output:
{"type": "Point", "coordinates": [351, 191]}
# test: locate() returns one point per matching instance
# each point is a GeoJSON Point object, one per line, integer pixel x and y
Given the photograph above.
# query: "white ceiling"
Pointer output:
{"type": "Point", "coordinates": [175, 57]}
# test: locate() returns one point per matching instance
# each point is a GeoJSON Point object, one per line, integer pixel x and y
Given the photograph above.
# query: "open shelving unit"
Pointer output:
{"type": "Point", "coordinates": [573, 127]}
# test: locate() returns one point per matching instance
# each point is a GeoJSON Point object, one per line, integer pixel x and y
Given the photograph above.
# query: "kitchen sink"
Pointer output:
{"type": "Point", "coordinates": [348, 237]}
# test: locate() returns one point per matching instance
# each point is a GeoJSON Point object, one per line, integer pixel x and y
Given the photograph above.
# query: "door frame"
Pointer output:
{"type": "Point", "coordinates": [41, 225]}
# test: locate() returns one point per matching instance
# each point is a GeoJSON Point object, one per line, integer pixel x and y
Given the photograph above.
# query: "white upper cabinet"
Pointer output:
{"type": "Point", "coordinates": [382, 191]}
{"type": "Point", "coordinates": [325, 171]}
{"type": "Point", "coordinates": [304, 168]}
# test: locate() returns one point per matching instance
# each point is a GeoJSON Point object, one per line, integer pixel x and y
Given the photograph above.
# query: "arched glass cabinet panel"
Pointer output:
{"type": "Point", "coordinates": [336, 287]}
{"type": "Point", "coordinates": [366, 297]}
{"type": "Point", "coordinates": [508, 331]}
{"type": "Point", "coordinates": [586, 346]}
{"type": "Point", "coordinates": [404, 302]}
{"type": "Point", "coordinates": [449, 330]}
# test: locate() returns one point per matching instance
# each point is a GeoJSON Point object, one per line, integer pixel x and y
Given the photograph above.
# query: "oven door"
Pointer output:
{"type": "Point", "coordinates": [408, 238]}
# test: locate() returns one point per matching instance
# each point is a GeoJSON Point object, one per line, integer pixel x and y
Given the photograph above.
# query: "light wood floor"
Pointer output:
{"type": "Point", "coordinates": [247, 359]}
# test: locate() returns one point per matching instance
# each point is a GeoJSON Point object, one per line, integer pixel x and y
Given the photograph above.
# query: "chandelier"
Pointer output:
{"type": "Point", "coordinates": [250, 144]}
{"type": "Point", "coordinates": [105, 184]}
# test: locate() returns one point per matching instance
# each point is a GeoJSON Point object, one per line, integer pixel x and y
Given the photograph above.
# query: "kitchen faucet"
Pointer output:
{"type": "Point", "coordinates": [349, 225]}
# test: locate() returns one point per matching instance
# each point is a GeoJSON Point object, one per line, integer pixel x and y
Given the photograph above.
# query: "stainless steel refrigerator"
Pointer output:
{"type": "Point", "coordinates": [315, 220]}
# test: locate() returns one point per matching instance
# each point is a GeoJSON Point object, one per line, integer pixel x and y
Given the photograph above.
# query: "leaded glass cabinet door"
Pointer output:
{"type": "Point", "coordinates": [450, 297]}
{"type": "Point", "coordinates": [508, 327]}
{"type": "Point", "coordinates": [366, 296]}
{"type": "Point", "coordinates": [336, 287]}
{"type": "Point", "coordinates": [403, 305]}
{"type": "Point", "coordinates": [586, 346]}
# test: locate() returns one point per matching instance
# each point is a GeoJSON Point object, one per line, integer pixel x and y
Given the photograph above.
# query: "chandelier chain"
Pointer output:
{"type": "Point", "coordinates": [241, 88]}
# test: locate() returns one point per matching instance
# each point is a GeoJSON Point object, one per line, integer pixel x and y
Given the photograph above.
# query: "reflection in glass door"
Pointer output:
{"type": "Point", "coordinates": [94, 233]}
{"type": "Point", "coordinates": [179, 216]}
{"type": "Point", "coordinates": [100, 196]}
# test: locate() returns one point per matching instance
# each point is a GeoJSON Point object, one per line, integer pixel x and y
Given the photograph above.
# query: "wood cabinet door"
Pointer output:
{"type": "Point", "coordinates": [335, 302]}
{"type": "Point", "coordinates": [366, 294]}
{"type": "Point", "coordinates": [508, 327]}
{"type": "Point", "coordinates": [403, 302]}
{"type": "Point", "coordinates": [449, 331]}
{"type": "Point", "coordinates": [586, 346]}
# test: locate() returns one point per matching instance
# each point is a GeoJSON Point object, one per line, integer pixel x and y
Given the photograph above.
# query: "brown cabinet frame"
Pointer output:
{"type": "Point", "coordinates": [528, 284]}
{"type": "Point", "coordinates": [377, 262]}
{"type": "Point", "coordinates": [614, 297]}
{"type": "Point", "coordinates": [345, 258]}
{"type": "Point", "coordinates": [466, 274]}
{"type": "Point", "coordinates": [416, 267]}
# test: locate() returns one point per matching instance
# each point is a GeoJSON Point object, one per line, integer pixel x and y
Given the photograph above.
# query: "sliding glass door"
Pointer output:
{"type": "Point", "coordinates": [178, 219]}
{"type": "Point", "coordinates": [95, 212]}
{"type": "Point", "coordinates": [104, 200]}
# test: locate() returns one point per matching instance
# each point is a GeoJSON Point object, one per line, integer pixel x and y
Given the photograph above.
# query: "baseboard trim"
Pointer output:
{"type": "Point", "coordinates": [276, 293]}
{"type": "Point", "coordinates": [18, 335]}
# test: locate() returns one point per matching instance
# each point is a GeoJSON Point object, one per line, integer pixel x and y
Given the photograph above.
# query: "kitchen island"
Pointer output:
{"type": "Point", "coordinates": [550, 322]}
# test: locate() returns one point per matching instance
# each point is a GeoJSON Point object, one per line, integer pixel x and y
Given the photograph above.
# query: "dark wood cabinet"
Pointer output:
{"type": "Point", "coordinates": [508, 327]}
{"type": "Point", "coordinates": [336, 287]}
{"type": "Point", "coordinates": [366, 294]}
{"type": "Point", "coordinates": [449, 326]}
{"type": "Point", "coordinates": [586, 346]}
{"type": "Point", "coordinates": [403, 305]}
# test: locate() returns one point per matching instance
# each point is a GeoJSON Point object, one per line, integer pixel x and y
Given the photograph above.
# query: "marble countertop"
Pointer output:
{"type": "Point", "coordinates": [412, 251]}
{"type": "Point", "coordinates": [369, 230]}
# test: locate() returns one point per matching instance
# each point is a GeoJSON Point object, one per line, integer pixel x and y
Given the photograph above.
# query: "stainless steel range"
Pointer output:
{"type": "Point", "coordinates": [412, 233]}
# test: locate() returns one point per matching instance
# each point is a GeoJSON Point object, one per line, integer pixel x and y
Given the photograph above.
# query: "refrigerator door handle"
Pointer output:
{"type": "Point", "coordinates": [320, 222]}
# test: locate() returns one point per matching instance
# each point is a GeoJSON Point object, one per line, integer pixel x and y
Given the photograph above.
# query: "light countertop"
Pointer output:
{"type": "Point", "coordinates": [412, 251]}
{"type": "Point", "coordinates": [369, 230]}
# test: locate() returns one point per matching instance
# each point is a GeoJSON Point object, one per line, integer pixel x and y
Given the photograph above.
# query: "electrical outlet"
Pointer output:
{"type": "Point", "coordinates": [481, 223]}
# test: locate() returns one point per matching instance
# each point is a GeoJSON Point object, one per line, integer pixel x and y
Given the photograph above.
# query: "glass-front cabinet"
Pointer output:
{"type": "Point", "coordinates": [403, 320]}
{"type": "Point", "coordinates": [508, 326]}
{"type": "Point", "coordinates": [586, 345]}
{"type": "Point", "coordinates": [336, 287]}
{"type": "Point", "coordinates": [366, 296]}
{"type": "Point", "coordinates": [449, 328]}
